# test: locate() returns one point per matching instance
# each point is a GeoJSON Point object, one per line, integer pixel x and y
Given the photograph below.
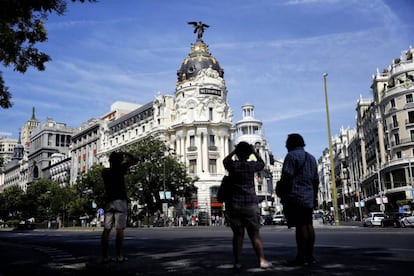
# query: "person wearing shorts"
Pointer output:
{"type": "Point", "coordinates": [242, 206]}
{"type": "Point", "coordinates": [116, 208]}
{"type": "Point", "coordinates": [300, 183]}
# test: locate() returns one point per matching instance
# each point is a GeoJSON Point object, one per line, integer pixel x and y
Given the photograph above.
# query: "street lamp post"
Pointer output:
{"type": "Point", "coordinates": [334, 192]}
{"type": "Point", "coordinates": [359, 200]}
{"type": "Point", "coordinates": [165, 196]}
{"type": "Point", "coordinates": [382, 206]}
{"type": "Point", "coordinates": [410, 171]}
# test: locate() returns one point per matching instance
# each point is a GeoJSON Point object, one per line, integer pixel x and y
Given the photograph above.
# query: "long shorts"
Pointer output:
{"type": "Point", "coordinates": [297, 215]}
{"type": "Point", "coordinates": [116, 214]}
{"type": "Point", "coordinates": [244, 216]}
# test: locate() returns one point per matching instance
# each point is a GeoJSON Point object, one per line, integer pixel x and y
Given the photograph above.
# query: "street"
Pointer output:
{"type": "Point", "coordinates": [340, 250]}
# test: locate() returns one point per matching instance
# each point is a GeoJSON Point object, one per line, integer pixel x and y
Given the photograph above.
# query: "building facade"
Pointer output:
{"type": "Point", "coordinates": [15, 172]}
{"type": "Point", "coordinates": [27, 129]}
{"type": "Point", "coordinates": [377, 174]}
{"type": "Point", "coordinates": [47, 139]}
{"type": "Point", "coordinates": [7, 146]}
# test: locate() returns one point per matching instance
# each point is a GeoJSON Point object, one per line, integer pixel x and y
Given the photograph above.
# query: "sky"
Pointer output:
{"type": "Point", "coordinates": [273, 52]}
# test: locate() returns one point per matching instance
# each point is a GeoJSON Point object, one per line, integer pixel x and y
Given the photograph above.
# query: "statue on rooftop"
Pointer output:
{"type": "Point", "coordinates": [198, 28]}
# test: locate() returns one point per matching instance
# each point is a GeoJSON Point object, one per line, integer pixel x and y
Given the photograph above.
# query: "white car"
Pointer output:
{"type": "Point", "coordinates": [374, 219]}
{"type": "Point", "coordinates": [407, 221]}
{"type": "Point", "coordinates": [279, 219]}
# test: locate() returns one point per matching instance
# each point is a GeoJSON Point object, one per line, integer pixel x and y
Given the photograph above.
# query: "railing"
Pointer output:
{"type": "Point", "coordinates": [402, 142]}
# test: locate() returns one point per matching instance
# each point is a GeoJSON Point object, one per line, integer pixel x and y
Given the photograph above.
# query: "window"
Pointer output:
{"type": "Point", "coordinates": [212, 166]}
{"type": "Point", "coordinates": [412, 135]}
{"type": "Point", "coordinates": [192, 166]}
{"type": "Point", "coordinates": [409, 98]}
{"type": "Point", "coordinates": [411, 117]}
{"type": "Point", "coordinates": [210, 113]}
{"type": "Point", "coordinates": [192, 141]}
{"type": "Point", "coordinates": [392, 102]}
{"type": "Point", "coordinates": [397, 138]}
{"type": "Point", "coordinates": [50, 139]}
{"type": "Point", "coordinates": [394, 121]}
{"type": "Point", "coordinates": [212, 140]}
{"type": "Point", "coordinates": [192, 146]}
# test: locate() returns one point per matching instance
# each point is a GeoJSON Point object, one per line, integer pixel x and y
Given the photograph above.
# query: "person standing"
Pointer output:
{"type": "Point", "coordinates": [299, 182]}
{"type": "Point", "coordinates": [116, 208]}
{"type": "Point", "coordinates": [242, 206]}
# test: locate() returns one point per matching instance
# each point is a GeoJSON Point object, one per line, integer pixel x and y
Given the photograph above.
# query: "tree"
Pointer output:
{"type": "Point", "coordinates": [11, 203]}
{"type": "Point", "coordinates": [42, 200]}
{"type": "Point", "coordinates": [89, 189]}
{"type": "Point", "coordinates": [21, 27]}
{"type": "Point", "coordinates": [157, 166]}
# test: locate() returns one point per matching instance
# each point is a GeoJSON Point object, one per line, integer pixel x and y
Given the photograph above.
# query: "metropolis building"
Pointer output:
{"type": "Point", "coordinates": [197, 124]}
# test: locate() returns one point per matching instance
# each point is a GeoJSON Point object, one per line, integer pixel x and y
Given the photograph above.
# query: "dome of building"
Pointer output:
{"type": "Point", "coordinates": [199, 59]}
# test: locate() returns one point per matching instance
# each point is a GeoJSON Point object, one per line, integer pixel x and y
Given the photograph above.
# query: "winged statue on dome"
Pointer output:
{"type": "Point", "coordinates": [198, 28]}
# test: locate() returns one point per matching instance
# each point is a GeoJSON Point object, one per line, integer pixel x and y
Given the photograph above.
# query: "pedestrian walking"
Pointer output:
{"type": "Point", "coordinates": [116, 208]}
{"type": "Point", "coordinates": [242, 204]}
{"type": "Point", "coordinates": [298, 188]}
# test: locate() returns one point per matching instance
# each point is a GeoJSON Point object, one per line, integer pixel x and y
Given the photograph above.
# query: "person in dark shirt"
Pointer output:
{"type": "Point", "coordinates": [300, 183]}
{"type": "Point", "coordinates": [116, 208]}
{"type": "Point", "coordinates": [242, 207]}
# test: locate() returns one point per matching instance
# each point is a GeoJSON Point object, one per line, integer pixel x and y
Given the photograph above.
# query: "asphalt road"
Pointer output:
{"type": "Point", "coordinates": [206, 251]}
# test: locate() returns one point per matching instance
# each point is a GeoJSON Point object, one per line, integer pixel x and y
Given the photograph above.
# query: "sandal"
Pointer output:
{"type": "Point", "coordinates": [265, 265]}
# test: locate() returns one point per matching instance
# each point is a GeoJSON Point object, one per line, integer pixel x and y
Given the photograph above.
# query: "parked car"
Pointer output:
{"type": "Point", "coordinates": [279, 219]}
{"type": "Point", "coordinates": [408, 221]}
{"type": "Point", "coordinates": [393, 220]}
{"type": "Point", "coordinates": [374, 219]}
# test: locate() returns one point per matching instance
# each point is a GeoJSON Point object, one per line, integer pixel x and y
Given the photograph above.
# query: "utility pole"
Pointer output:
{"type": "Point", "coordinates": [334, 192]}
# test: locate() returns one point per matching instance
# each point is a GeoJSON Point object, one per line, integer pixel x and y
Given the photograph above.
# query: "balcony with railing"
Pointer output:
{"type": "Point", "coordinates": [393, 126]}
{"type": "Point", "coordinates": [403, 142]}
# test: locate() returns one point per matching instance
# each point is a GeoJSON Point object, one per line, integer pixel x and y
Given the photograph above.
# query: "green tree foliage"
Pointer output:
{"type": "Point", "coordinates": [89, 188]}
{"type": "Point", "coordinates": [157, 165]}
{"type": "Point", "coordinates": [11, 203]}
{"type": "Point", "coordinates": [21, 28]}
{"type": "Point", "coordinates": [42, 200]}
